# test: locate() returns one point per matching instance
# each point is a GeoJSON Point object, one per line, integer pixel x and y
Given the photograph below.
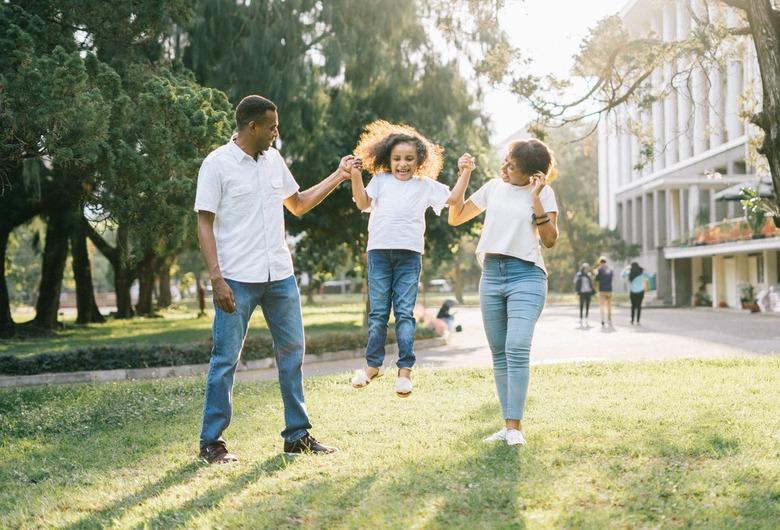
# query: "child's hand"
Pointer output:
{"type": "Point", "coordinates": [466, 164]}
{"type": "Point", "coordinates": [345, 166]}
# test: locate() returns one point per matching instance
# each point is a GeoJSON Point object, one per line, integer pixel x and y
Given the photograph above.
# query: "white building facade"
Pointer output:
{"type": "Point", "coordinates": [669, 206]}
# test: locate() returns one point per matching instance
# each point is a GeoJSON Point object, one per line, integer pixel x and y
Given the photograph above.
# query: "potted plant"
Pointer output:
{"type": "Point", "coordinates": [700, 297]}
{"type": "Point", "coordinates": [748, 296]}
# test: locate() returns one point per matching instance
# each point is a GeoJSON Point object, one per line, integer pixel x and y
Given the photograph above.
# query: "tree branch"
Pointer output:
{"type": "Point", "coordinates": [111, 253]}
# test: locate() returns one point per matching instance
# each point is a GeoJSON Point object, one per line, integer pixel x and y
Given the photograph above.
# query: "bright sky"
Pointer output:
{"type": "Point", "coordinates": [549, 32]}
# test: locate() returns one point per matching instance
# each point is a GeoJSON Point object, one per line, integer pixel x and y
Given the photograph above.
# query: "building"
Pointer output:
{"type": "Point", "coordinates": [674, 207]}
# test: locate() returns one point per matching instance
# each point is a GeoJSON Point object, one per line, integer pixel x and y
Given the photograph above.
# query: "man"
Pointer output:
{"type": "Point", "coordinates": [604, 284]}
{"type": "Point", "coordinates": [242, 188]}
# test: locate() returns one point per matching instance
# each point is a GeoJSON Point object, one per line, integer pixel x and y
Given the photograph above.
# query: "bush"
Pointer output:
{"type": "Point", "coordinates": [148, 356]}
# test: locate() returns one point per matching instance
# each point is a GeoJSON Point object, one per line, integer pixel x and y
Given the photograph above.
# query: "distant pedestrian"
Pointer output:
{"type": "Point", "coordinates": [583, 285]}
{"type": "Point", "coordinates": [603, 278]}
{"type": "Point", "coordinates": [637, 279]}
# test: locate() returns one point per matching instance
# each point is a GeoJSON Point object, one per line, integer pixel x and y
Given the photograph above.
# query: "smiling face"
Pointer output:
{"type": "Point", "coordinates": [403, 161]}
{"type": "Point", "coordinates": [511, 173]}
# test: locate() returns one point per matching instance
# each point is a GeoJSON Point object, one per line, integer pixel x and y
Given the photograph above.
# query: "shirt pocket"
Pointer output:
{"type": "Point", "coordinates": [241, 198]}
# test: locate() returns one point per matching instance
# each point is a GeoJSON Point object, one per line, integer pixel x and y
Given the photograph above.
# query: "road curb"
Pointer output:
{"type": "Point", "coordinates": [185, 370]}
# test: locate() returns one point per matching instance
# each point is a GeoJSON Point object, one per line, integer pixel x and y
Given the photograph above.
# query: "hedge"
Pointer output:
{"type": "Point", "coordinates": [150, 355]}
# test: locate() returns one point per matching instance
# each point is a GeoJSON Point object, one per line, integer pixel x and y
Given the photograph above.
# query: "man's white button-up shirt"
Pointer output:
{"type": "Point", "coordinates": [246, 196]}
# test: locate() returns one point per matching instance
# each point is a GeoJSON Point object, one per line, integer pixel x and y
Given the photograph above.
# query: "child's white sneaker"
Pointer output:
{"type": "Point", "coordinates": [515, 437]}
{"type": "Point", "coordinates": [499, 436]}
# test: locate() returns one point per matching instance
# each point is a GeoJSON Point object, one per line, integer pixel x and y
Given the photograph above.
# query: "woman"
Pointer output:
{"type": "Point", "coordinates": [637, 283]}
{"type": "Point", "coordinates": [583, 285]}
{"type": "Point", "coordinates": [520, 211]}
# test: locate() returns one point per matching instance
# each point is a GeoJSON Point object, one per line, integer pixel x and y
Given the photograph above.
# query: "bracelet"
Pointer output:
{"type": "Point", "coordinates": [545, 221]}
{"type": "Point", "coordinates": [535, 218]}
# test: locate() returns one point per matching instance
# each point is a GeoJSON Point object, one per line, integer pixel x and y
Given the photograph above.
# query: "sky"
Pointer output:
{"type": "Point", "coordinates": [549, 32]}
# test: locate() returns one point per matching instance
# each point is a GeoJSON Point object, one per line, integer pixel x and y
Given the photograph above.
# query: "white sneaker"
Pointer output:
{"type": "Point", "coordinates": [499, 436]}
{"type": "Point", "coordinates": [515, 437]}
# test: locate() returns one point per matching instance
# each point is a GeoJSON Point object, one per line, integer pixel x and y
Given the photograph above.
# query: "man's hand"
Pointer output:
{"type": "Point", "coordinates": [346, 165]}
{"type": "Point", "coordinates": [223, 295]}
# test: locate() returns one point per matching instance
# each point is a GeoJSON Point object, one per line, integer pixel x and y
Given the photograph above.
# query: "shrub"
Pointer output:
{"type": "Point", "coordinates": [149, 355]}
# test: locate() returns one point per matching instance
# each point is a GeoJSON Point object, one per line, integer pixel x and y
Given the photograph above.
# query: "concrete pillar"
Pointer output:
{"type": "Point", "coordinates": [682, 92]}
{"type": "Point", "coordinates": [734, 85]}
{"type": "Point", "coordinates": [716, 103]}
{"type": "Point", "coordinates": [625, 232]}
{"type": "Point", "coordinates": [648, 224]}
{"type": "Point", "coordinates": [713, 206]}
{"type": "Point", "coordinates": [717, 273]}
{"type": "Point", "coordinates": [625, 147]}
{"type": "Point", "coordinates": [671, 133]}
{"type": "Point", "coordinates": [693, 207]}
{"type": "Point", "coordinates": [614, 167]}
{"type": "Point", "coordinates": [699, 91]}
{"type": "Point", "coordinates": [657, 239]}
{"type": "Point", "coordinates": [604, 197]}
{"type": "Point", "coordinates": [659, 131]}
{"type": "Point", "coordinates": [635, 233]}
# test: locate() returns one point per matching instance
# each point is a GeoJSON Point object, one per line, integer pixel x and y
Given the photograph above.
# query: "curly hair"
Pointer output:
{"type": "Point", "coordinates": [534, 156]}
{"type": "Point", "coordinates": [377, 142]}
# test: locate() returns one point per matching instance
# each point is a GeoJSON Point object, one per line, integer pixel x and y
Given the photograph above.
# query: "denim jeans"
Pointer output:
{"type": "Point", "coordinates": [281, 305]}
{"type": "Point", "coordinates": [393, 275]}
{"type": "Point", "coordinates": [511, 294]}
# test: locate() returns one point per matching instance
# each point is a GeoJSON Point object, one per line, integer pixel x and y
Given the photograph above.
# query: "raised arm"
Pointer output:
{"type": "Point", "coordinates": [362, 200]}
{"type": "Point", "coordinates": [301, 202]}
{"type": "Point", "coordinates": [460, 209]}
{"type": "Point", "coordinates": [546, 222]}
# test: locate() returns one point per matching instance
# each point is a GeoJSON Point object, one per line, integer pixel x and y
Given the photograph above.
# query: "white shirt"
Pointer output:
{"type": "Point", "coordinates": [508, 227]}
{"type": "Point", "coordinates": [397, 209]}
{"type": "Point", "coordinates": [247, 197]}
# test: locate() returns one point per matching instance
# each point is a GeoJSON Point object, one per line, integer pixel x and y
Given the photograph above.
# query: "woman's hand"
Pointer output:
{"type": "Point", "coordinates": [466, 164]}
{"type": "Point", "coordinates": [346, 164]}
{"type": "Point", "coordinates": [538, 181]}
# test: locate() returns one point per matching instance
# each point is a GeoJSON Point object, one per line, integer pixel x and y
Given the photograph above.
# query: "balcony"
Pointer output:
{"type": "Point", "coordinates": [729, 230]}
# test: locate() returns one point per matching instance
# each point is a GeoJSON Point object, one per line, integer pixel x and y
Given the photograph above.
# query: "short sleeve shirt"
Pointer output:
{"type": "Point", "coordinates": [509, 228]}
{"type": "Point", "coordinates": [397, 219]}
{"type": "Point", "coordinates": [246, 196]}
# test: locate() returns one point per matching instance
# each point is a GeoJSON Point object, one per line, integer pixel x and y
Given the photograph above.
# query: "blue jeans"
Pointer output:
{"type": "Point", "coordinates": [281, 305]}
{"type": "Point", "coordinates": [393, 275]}
{"type": "Point", "coordinates": [511, 294]}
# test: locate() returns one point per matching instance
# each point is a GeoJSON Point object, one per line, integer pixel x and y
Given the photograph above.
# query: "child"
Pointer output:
{"type": "Point", "coordinates": [405, 165]}
{"type": "Point", "coordinates": [521, 210]}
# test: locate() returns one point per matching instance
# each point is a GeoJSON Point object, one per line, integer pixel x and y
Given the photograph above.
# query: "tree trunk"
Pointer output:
{"type": "Point", "coordinates": [145, 285]}
{"type": "Point", "coordinates": [164, 280]}
{"type": "Point", "coordinates": [118, 257]}
{"type": "Point", "coordinates": [55, 254]}
{"type": "Point", "coordinates": [7, 325]}
{"type": "Point", "coordinates": [86, 305]}
{"type": "Point", "coordinates": [765, 27]}
{"type": "Point", "coordinates": [565, 223]}
{"type": "Point", "coordinates": [458, 282]}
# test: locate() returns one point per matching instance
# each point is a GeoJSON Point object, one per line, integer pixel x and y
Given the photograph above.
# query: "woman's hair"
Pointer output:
{"type": "Point", "coordinates": [377, 142]}
{"type": "Point", "coordinates": [635, 271]}
{"type": "Point", "coordinates": [533, 156]}
{"type": "Point", "coordinates": [584, 267]}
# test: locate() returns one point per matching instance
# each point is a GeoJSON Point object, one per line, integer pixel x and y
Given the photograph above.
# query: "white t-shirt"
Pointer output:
{"type": "Point", "coordinates": [397, 209]}
{"type": "Point", "coordinates": [509, 228]}
{"type": "Point", "coordinates": [247, 197]}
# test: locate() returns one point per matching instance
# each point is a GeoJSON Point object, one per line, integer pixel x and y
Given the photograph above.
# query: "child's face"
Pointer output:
{"type": "Point", "coordinates": [511, 173]}
{"type": "Point", "coordinates": [403, 161]}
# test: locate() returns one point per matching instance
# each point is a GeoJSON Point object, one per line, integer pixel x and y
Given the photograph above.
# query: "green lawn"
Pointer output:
{"type": "Point", "coordinates": [176, 327]}
{"type": "Point", "coordinates": [686, 444]}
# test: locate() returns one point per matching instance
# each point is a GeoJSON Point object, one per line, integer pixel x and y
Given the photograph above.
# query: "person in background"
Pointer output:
{"type": "Point", "coordinates": [637, 286]}
{"type": "Point", "coordinates": [583, 286]}
{"type": "Point", "coordinates": [603, 278]}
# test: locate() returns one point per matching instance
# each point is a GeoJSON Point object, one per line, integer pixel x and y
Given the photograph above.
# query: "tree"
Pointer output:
{"type": "Point", "coordinates": [620, 66]}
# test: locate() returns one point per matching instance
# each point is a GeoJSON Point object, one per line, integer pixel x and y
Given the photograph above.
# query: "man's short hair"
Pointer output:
{"type": "Point", "coordinates": [252, 108]}
{"type": "Point", "coordinates": [602, 259]}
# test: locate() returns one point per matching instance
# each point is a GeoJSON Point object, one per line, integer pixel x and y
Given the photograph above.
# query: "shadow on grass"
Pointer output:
{"type": "Point", "coordinates": [477, 491]}
{"type": "Point", "coordinates": [180, 517]}
{"type": "Point", "coordinates": [104, 517]}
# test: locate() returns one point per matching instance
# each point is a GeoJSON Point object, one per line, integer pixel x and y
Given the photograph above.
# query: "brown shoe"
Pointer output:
{"type": "Point", "coordinates": [307, 445]}
{"type": "Point", "coordinates": [217, 453]}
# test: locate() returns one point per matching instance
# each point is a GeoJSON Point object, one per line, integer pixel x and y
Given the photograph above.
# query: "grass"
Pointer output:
{"type": "Point", "coordinates": [684, 444]}
{"type": "Point", "coordinates": [176, 327]}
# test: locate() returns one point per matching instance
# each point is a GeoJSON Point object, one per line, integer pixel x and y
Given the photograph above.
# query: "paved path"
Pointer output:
{"type": "Point", "coordinates": [664, 334]}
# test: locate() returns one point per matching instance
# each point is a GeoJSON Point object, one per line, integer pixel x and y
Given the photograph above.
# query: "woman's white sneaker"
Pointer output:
{"type": "Point", "coordinates": [515, 437]}
{"type": "Point", "coordinates": [499, 436]}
